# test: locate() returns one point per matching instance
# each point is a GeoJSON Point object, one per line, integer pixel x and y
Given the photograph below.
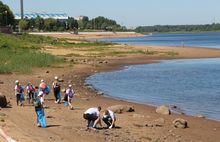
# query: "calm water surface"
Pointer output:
{"type": "Point", "coordinates": [192, 85]}
{"type": "Point", "coordinates": [208, 39]}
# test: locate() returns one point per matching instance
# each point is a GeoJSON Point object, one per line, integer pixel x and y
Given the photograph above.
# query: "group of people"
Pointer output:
{"type": "Point", "coordinates": [36, 95]}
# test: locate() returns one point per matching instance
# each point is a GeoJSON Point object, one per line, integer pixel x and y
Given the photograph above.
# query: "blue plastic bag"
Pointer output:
{"type": "Point", "coordinates": [47, 90]}
{"type": "Point", "coordinates": [41, 119]}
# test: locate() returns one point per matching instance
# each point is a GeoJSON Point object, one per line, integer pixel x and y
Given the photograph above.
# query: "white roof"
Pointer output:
{"type": "Point", "coordinates": [61, 16]}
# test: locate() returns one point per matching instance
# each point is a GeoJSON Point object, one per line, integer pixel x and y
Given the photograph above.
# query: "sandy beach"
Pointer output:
{"type": "Point", "coordinates": [66, 125]}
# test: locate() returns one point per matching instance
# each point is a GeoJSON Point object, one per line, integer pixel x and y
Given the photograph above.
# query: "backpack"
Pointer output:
{"type": "Point", "coordinates": [37, 103]}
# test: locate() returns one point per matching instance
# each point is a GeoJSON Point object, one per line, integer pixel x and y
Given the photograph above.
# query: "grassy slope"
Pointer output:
{"type": "Point", "coordinates": [21, 53]}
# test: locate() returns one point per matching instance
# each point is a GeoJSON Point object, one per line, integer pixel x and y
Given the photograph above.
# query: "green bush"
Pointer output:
{"type": "Point", "coordinates": [24, 60]}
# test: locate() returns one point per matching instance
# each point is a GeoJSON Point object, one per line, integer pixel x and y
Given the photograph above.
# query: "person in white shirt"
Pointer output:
{"type": "Point", "coordinates": [109, 118]}
{"type": "Point", "coordinates": [19, 93]}
{"type": "Point", "coordinates": [92, 115]}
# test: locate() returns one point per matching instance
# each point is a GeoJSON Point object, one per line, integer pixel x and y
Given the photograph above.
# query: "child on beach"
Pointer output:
{"type": "Point", "coordinates": [109, 118]}
{"type": "Point", "coordinates": [92, 115]}
{"type": "Point", "coordinates": [38, 104]}
{"type": "Point", "coordinates": [68, 97]}
{"type": "Point", "coordinates": [19, 93]}
{"type": "Point", "coordinates": [30, 92]}
{"type": "Point", "coordinates": [36, 92]}
{"type": "Point", "coordinates": [56, 90]}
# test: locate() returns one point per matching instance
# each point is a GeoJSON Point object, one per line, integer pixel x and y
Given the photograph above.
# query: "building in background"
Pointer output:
{"type": "Point", "coordinates": [78, 18]}
{"type": "Point", "coordinates": [57, 16]}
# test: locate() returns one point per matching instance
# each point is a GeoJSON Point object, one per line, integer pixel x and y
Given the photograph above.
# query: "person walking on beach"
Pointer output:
{"type": "Point", "coordinates": [43, 86]}
{"type": "Point", "coordinates": [38, 104]}
{"type": "Point", "coordinates": [36, 92]}
{"type": "Point", "coordinates": [19, 93]}
{"type": "Point", "coordinates": [68, 97]}
{"type": "Point", "coordinates": [30, 92]}
{"type": "Point", "coordinates": [56, 90]}
{"type": "Point", "coordinates": [92, 115]}
{"type": "Point", "coordinates": [5, 136]}
{"type": "Point", "coordinates": [109, 118]}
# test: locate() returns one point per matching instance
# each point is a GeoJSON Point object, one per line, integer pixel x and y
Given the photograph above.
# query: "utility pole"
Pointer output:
{"type": "Point", "coordinates": [22, 9]}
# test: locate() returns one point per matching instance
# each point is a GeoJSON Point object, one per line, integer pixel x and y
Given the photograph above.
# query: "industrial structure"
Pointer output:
{"type": "Point", "coordinates": [57, 16]}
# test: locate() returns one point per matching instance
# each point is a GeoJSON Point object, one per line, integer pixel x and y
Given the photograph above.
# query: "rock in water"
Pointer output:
{"type": "Point", "coordinates": [180, 123]}
{"type": "Point", "coordinates": [3, 101]}
{"type": "Point", "coordinates": [121, 108]}
{"type": "Point", "coordinates": [163, 110]}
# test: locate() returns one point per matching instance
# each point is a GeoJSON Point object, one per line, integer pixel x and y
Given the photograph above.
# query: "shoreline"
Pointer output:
{"type": "Point", "coordinates": [122, 67]}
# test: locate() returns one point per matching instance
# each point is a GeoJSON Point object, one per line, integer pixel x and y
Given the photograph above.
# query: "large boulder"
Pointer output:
{"type": "Point", "coordinates": [163, 110]}
{"type": "Point", "coordinates": [3, 101]}
{"type": "Point", "coordinates": [180, 123]}
{"type": "Point", "coordinates": [121, 108]}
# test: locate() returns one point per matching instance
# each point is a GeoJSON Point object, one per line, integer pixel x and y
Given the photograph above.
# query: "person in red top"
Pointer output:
{"type": "Point", "coordinates": [43, 86]}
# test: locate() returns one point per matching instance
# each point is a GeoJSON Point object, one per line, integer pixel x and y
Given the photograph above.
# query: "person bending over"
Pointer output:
{"type": "Point", "coordinates": [109, 118]}
{"type": "Point", "coordinates": [92, 115]}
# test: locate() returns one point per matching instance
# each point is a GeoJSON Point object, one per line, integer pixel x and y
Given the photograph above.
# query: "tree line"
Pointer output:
{"type": "Point", "coordinates": [178, 28]}
{"type": "Point", "coordinates": [6, 15]}
{"type": "Point", "coordinates": [50, 24]}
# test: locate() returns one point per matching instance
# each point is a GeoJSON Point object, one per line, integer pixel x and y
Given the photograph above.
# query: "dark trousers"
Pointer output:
{"type": "Point", "coordinates": [18, 98]}
{"type": "Point", "coordinates": [31, 96]}
{"type": "Point", "coordinates": [91, 119]}
{"type": "Point", "coordinates": [108, 120]}
{"type": "Point", "coordinates": [57, 96]}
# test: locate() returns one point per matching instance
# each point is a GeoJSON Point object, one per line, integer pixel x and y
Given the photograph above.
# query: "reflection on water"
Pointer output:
{"type": "Point", "coordinates": [192, 85]}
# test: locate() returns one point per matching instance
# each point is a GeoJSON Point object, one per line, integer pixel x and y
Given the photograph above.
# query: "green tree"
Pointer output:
{"type": "Point", "coordinates": [39, 23]}
{"type": "Point", "coordinates": [50, 24]}
{"type": "Point", "coordinates": [6, 15]}
{"type": "Point", "coordinates": [72, 24]}
{"type": "Point", "coordinates": [23, 24]}
{"type": "Point", "coordinates": [102, 23]}
{"type": "Point", "coordinates": [32, 23]}
{"type": "Point", "coordinates": [83, 23]}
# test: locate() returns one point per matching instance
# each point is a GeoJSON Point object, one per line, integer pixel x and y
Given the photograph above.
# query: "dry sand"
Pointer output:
{"type": "Point", "coordinates": [69, 126]}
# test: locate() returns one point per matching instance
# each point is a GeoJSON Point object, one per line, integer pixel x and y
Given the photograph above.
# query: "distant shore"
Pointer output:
{"type": "Point", "coordinates": [90, 35]}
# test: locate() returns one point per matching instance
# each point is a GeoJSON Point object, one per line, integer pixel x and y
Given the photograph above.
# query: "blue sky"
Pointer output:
{"type": "Point", "coordinates": [130, 12]}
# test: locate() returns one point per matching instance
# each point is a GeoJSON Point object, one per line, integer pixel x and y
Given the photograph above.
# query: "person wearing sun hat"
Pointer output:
{"type": "Point", "coordinates": [38, 104]}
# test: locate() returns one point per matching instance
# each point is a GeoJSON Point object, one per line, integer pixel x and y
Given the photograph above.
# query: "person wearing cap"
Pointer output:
{"type": "Point", "coordinates": [56, 90]}
{"type": "Point", "coordinates": [19, 93]}
{"type": "Point", "coordinates": [30, 92]}
{"type": "Point", "coordinates": [38, 104]}
{"type": "Point", "coordinates": [109, 118]}
{"type": "Point", "coordinates": [92, 115]}
{"type": "Point", "coordinates": [68, 97]}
